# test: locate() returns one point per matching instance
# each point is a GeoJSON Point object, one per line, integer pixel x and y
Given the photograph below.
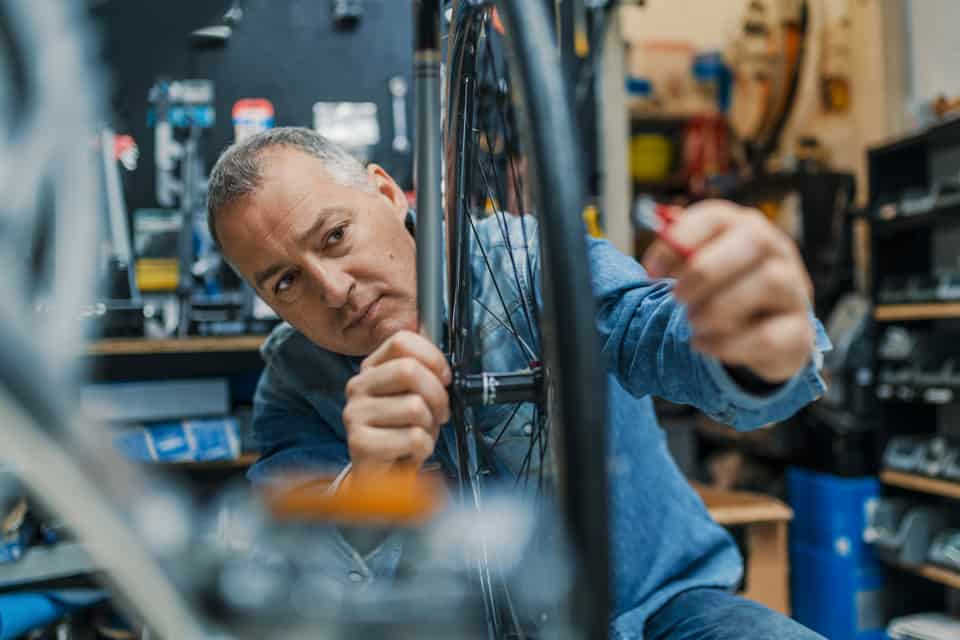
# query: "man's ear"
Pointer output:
{"type": "Point", "coordinates": [387, 187]}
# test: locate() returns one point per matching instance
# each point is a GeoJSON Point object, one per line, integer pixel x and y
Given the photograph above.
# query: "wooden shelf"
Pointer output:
{"type": "Point", "coordinates": [939, 574]}
{"type": "Point", "coordinates": [731, 508]}
{"type": "Point", "coordinates": [921, 483]}
{"type": "Point", "coordinates": [639, 112]}
{"type": "Point", "coordinates": [143, 346]}
{"type": "Point", "coordinates": [931, 311]}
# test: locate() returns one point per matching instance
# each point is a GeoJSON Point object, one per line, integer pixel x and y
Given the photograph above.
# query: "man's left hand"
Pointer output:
{"type": "Point", "coordinates": [745, 286]}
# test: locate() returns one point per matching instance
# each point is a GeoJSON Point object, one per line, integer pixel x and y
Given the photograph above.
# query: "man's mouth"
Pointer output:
{"type": "Point", "coordinates": [363, 316]}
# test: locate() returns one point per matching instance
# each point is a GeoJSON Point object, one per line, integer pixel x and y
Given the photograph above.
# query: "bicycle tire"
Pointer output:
{"type": "Point", "coordinates": [566, 320]}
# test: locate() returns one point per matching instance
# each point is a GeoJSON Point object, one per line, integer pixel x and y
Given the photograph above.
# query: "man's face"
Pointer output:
{"type": "Point", "coordinates": [334, 261]}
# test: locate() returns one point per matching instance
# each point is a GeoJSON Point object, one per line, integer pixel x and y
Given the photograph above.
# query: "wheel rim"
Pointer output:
{"type": "Point", "coordinates": [488, 167]}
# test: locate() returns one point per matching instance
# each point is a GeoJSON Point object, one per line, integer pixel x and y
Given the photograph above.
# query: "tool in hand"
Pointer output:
{"type": "Point", "coordinates": [658, 218]}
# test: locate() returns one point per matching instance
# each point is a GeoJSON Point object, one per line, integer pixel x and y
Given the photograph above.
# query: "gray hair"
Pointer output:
{"type": "Point", "coordinates": [239, 171]}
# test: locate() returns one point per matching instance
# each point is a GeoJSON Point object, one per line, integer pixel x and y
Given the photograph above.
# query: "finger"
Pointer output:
{"type": "Point", "coordinates": [406, 344]}
{"type": "Point", "coordinates": [390, 412]}
{"type": "Point", "coordinates": [773, 286]}
{"type": "Point", "coordinates": [775, 347]}
{"type": "Point", "coordinates": [697, 225]}
{"type": "Point", "coordinates": [402, 376]}
{"type": "Point", "coordinates": [727, 256]}
{"type": "Point", "coordinates": [380, 447]}
{"type": "Point", "coordinates": [659, 259]}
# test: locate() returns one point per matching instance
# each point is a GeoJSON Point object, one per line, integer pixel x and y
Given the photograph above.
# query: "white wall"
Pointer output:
{"type": "Point", "coordinates": [709, 24]}
{"type": "Point", "coordinates": [934, 59]}
{"type": "Point", "coordinates": [706, 24]}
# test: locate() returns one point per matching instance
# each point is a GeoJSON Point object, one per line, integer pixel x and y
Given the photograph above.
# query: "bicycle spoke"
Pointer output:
{"type": "Point", "coordinates": [526, 348]}
{"type": "Point", "coordinates": [493, 279]}
{"type": "Point", "coordinates": [506, 425]}
{"type": "Point", "coordinates": [514, 618]}
{"type": "Point", "coordinates": [505, 235]}
{"type": "Point", "coordinates": [528, 458]}
{"type": "Point", "coordinates": [512, 153]}
{"type": "Point", "coordinates": [504, 229]}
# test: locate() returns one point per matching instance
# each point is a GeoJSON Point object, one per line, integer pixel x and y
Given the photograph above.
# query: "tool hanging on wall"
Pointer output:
{"type": "Point", "coordinates": [347, 13]}
{"type": "Point", "coordinates": [398, 89]}
{"type": "Point", "coordinates": [182, 106]}
{"type": "Point", "coordinates": [217, 35]}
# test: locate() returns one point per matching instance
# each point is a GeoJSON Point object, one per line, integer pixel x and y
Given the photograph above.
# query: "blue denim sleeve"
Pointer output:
{"type": "Point", "coordinates": [291, 434]}
{"type": "Point", "coordinates": [645, 339]}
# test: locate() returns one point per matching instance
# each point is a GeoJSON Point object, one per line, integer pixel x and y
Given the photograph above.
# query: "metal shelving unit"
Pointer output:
{"type": "Point", "coordinates": [46, 563]}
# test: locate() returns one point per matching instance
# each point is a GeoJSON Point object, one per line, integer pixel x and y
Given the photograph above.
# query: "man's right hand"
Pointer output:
{"type": "Point", "coordinates": [397, 404]}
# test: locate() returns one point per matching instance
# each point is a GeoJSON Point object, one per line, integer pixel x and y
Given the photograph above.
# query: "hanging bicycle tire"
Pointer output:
{"type": "Point", "coordinates": [534, 421]}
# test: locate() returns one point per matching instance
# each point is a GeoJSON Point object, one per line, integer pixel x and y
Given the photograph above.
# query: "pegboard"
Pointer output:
{"type": "Point", "coordinates": [287, 51]}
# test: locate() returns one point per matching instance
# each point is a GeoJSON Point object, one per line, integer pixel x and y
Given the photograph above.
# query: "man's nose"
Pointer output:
{"type": "Point", "coordinates": [334, 284]}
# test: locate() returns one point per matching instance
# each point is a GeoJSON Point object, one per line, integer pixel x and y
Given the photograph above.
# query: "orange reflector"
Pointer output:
{"type": "Point", "coordinates": [402, 496]}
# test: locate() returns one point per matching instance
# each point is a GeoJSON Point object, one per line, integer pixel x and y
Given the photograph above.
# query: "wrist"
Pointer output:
{"type": "Point", "coordinates": [753, 381]}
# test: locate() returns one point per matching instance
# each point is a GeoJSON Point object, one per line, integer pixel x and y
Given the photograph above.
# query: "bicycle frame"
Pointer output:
{"type": "Point", "coordinates": [427, 177]}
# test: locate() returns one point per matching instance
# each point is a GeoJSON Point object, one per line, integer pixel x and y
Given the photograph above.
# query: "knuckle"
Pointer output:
{"type": "Point", "coordinates": [392, 347]}
{"type": "Point", "coordinates": [760, 227]}
{"type": "Point", "coordinates": [405, 341]}
{"type": "Point", "coordinates": [348, 416]}
{"type": "Point", "coordinates": [723, 324]}
{"type": "Point", "coordinates": [776, 273]}
{"type": "Point", "coordinates": [696, 269]}
{"type": "Point", "coordinates": [408, 370]}
{"type": "Point", "coordinates": [784, 246]}
{"type": "Point", "coordinates": [421, 443]}
{"type": "Point", "coordinates": [755, 218]}
{"type": "Point", "coordinates": [418, 412]}
{"type": "Point", "coordinates": [358, 445]}
{"type": "Point", "coordinates": [353, 387]}
{"type": "Point", "coordinates": [721, 329]}
{"type": "Point", "coordinates": [770, 340]}
{"type": "Point", "coordinates": [790, 282]}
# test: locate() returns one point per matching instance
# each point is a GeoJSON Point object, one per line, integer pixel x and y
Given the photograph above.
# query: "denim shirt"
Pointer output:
{"type": "Point", "coordinates": [663, 541]}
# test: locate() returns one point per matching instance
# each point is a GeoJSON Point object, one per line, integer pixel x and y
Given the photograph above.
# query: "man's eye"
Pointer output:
{"type": "Point", "coordinates": [336, 236]}
{"type": "Point", "coordinates": [284, 283]}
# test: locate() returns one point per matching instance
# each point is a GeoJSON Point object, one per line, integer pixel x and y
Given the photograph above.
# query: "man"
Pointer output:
{"type": "Point", "coordinates": [351, 387]}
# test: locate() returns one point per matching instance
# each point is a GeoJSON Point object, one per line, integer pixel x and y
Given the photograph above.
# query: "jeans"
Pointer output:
{"type": "Point", "coordinates": [714, 614]}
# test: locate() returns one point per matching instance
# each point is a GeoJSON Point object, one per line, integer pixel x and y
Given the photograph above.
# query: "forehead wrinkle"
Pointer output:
{"type": "Point", "coordinates": [287, 217]}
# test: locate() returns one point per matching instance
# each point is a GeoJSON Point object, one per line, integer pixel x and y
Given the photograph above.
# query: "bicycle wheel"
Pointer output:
{"type": "Point", "coordinates": [519, 284]}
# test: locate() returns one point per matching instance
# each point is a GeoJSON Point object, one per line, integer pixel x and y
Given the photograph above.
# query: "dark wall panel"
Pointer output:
{"type": "Point", "coordinates": [287, 51]}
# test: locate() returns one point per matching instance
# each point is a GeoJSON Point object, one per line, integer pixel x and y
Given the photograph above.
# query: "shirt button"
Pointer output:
{"type": "Point", "coordinates": [355, 576]}
{"type": "Point", "coordinates": [528, 429]}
